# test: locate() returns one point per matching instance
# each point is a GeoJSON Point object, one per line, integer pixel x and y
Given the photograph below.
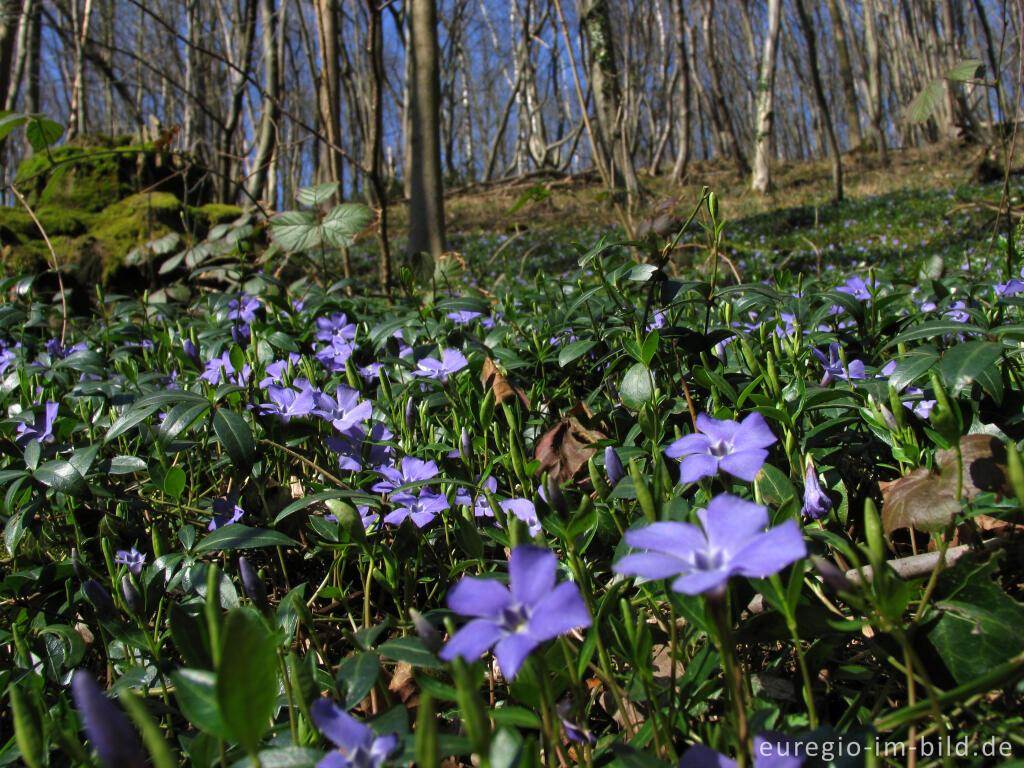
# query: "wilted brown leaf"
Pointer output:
{"type": "Point", "coordinates": [564, 449]}
{"type": "Point", "coordinates": [493, 378]}
{"type": "Point", "coordinates": [927, 500]}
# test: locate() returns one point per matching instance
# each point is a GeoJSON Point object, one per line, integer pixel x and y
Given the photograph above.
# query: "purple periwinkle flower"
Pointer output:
{"type": "Point", "coordinates": [411, 470]}
{"type": "Point", "coordinates": [463, 317]}
{"type": "Point", "coordinates": [771, 750]}
{"type": "Point", "coordinates": [41, 430]}
{"type": "Point", "coordinates": [451, 361]}
{"type": "Point", "coordinates": [816, 502]}
{"type": "Point", "coordinates": [833, 366]}
{"type": "Point", "coordinates": [253, 584]}
{"type": "Point", "coordinates": [344, 410]}
{"type": "Point", "coordinates": [286, 403]}
{"type": "Point", "coordinates": [479, 503]}
{"type": "Point", "coordinates": [1010, 288]}
{"type": "Point", "coordinates": [243, 308]}
{"type": "Point", "coordinates": [856, 287]}
{"type": "Point", "coordinates": [422, 509]}
{"type": "Point", "coordinates": [731, 540]}
{"type": "Point", "coordinates": [336, 353]}
{"type": "Point", "coordinates": [525, 510]}
{"type": "Point", "coordinates": [517, 618]}
{"type": "Point", "coordinates": [613, 466]}
{"type": "Point", "coordinates": [358, 746]}
{"type": "Point", "coordinates": [225, 512]}
{"type": "Point", "coordinates": [336, 326]}
{"type": "Point", "coordinates": [132, 558]}
{"type": "Point", "coordinates": [108, 731]}
{"type": "Point", "coordinates": [738, 448]}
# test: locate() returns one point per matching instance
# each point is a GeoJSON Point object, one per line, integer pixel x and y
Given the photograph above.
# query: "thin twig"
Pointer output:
{"type": "Point", "coordinates": [53, 255]}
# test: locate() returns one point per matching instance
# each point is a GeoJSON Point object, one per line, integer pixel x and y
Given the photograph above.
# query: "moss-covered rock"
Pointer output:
{"type": "Point", "coordinates": [210, 215]}
{"type": "Point", "coordinates": [124, 225]}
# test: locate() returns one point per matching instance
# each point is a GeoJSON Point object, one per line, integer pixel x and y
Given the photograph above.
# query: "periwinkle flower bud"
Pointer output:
{"type": "Point", "coordinates": [105, 726]}
{"type": "Point", "coordinates": [466, 446]}
{"type": "Point", "coordinates": [410, 414]}
{"type": "Point", "coordinates": [100, 598]}
{"type": "Point", "coordinates": [431, 638]}
{"type": "Point", "coordinates": [613, 466]}
{"type": "Point", "coordinates": [253, 584]}
{"type": "Point", "coordinates": [132, 596]}
{"type": "Point", "coordinates": [76, 565]}
{"type": "Point", "coordinates": [554, 495]}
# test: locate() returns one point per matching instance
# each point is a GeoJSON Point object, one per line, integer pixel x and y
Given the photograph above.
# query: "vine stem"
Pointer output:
{"type": "Point", "coordinates": [53, 256]}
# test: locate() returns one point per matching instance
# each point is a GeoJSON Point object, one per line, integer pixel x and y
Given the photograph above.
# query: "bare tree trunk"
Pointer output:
{"type": "Point", "coordinates": [271, 101]}
{"type": "Point", "coordinates": [807, 26]}
{"type": "Point", "coordinates": [426, 200]}
{"type": "Point", "coordinates": [192, 129]}
{"type": "Point", "coordinates": [604, 81]}
{"type": "Point", "coordinates": [726, 138]}
{"type": "Point", "coordinates": [875, 114]}
{"type": "Point", "coordinates": [329, 91]}
{"type": "Point", "coordinates": [374, 161]}
{"type": "Point", "coordinates": [80, 27]}
{"type": "Point", "coordinates": [685, 79]}
{"type": "Point", "coordinates": [11, 21]}
{"type": "Point", "coordinates": [850, 112]}
{"type": "Point", "coordinates": [762, 181]}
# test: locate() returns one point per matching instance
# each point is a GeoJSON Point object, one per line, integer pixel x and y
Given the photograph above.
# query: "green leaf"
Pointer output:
{"type": "Point", "coordinates": [963, 363]}
{"type": "Point", "coordinates": [358, 673]}
{"type": "Point", "coordinates": [41, 133]}
{"type": "Point", "coordinates": [195, 691]}
{"type": "Point", "coordinates": [915, 363]}
{"type": "Point", "coordinates": [174, 482]}
{"type": "Point", "coordinates": [246, 684]}
{"type": "Point", "coordinates": [62, 476]}
{"type": "Point", "coordinates": [409, 650]}
{"type": "Point", "coordinates": [129, 419]}
{"type": "Point", "coordinates": [969, 69]}
{"type": "Point", "coordinates": [923, 105]}
{"type": "Point", "coordinates": [10, 121]}
{"type": "Point", "coordinates": [190, 636]}
{"type": "Point", "coordinates": [635, 389]}
{"type": "Point", "coordinates": [981, 626]}
{"type": "Point", "coordinates": [295, 230]}
{"type": "Point", "coordinates": [180, 418]}
{"type": "Point", "coordinates": [316, 194]}
{"type": "Point", "coordinates": [235, 436]}
{"type": "Point", "coordinates": [238, 536]}
{"type": "Point", "coordinates": [573, 351]}
{"type": "Point", "coordinates": [124, 465]}
{"type": "Point", "coordinates": [932, 329]}
{"type": "Point", "coordinates": [344, 222]}
{"type": "Point", "coordinates": [775, 486]}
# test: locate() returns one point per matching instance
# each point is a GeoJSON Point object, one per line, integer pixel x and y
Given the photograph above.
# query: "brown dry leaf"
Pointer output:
{"type": "Point", "coordinates": [403, 685]}
{"type": "Point", "coordinates": [504, 392]}
{"type": "Point", "coordinates": [927, 500]}
{"type": "Point", "coordinates": [564, 449]}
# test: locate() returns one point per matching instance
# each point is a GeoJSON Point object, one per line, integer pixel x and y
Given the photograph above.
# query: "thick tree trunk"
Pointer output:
{"type": "Point", "coordinates": [10, 22]}
{"type": "Point", "coordinates": [875, 114]}
{"type": "Point", "coordinates": [850, 112]}
{"type": "Point", "coordinates": [331, 164]}
{"type": "Point", "coordinates": [374, 160]}
{"type": "Point", "coordinates": [683, 105]}
{"type": "Point", "coordinates": [727, 140]}
{"type": "Point", "coordinates": [426, 201]}
{"type": "Point", "coordinates": [807, 26]}
{"type": "Point", "coordinates": [762, 180]}
{"type": "Point", "coordinates": [604, 82]}
{"type": "Point", "coordinates": [271, 103]}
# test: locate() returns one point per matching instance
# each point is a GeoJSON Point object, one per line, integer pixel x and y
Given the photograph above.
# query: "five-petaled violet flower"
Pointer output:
{"type": "Point", "coordinates": [357, 745]}
{"type": "Point", "coordinates": [411, 470]}
{"type": "Point", "coordinates": [41, 430]}
{"type": "Point", "coordinates": [518, 618]}
{"type": "Point", "coordinates": [731, 540]}
{"type": "Point", "coordinates": [422, 509]}
{"type": "Point", "coordinates": [738, 448]}
{"type": "Point", "coordinates": [816, 501]}
{"type": "Point", "coordinates": [451, 361]}
{"type": "Point", "coordinates": [834, 368]}
{"type": "Point", "coordinates": [287, 403]}
{"type": "Point", "coordinates": [132, 558]}
{"type": "Point", "coordinates": [225, 512]}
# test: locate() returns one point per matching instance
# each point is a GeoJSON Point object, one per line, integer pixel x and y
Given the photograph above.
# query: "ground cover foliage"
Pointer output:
{"type": "Point", "coordinates": [631, 504]}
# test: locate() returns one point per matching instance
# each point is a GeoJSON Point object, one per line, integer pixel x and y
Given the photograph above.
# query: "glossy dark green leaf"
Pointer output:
{"type": "Point", "coordinates": [195, 690]}
{"type": "Point", "coordinates": [358, 673]}
{"type": "Point", "coordinates": [190, 636]}
{"type": "Point", "coordinates": [570, 352]}
{"type": "Point", "coordinates": [180, 418]}
{"type": "Point", "coordinates": [62, 476]}
{"type": "Point", "coordinates": [915, 363]}
{"type": "Point", "coordinates": [238, 536]}
{"type": "Point", "coordinates": [124, 465]}
{"type": "Point", "coordinates": [409, 650]}
{"type": "Point", "coordinates": [246, 684]}
{"type": "Point", "coordinates": [235, 436]}
{"type": "Point", "coordinates": [963, 363]}
{"type": "Point", "coordinates": [174, 482]}
{"type": "Point", "coordinates": [635, 388]}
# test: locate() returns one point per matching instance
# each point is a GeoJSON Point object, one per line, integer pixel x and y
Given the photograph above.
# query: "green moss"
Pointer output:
{"type": "Point", "coordinates": [210, 215]}
{"type": "Point", "coordinates": [127, 223]}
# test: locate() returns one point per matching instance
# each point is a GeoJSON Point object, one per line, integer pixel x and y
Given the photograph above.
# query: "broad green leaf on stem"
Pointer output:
{"type": "Point", "coordinates": [238, 536]}
{"type": "Point", "coordinates": [316, 194]}
{"type": "Point", "coordinates": [62, 476]}
{"type": "Point", "coordinates": [963, 363]}
{"type": "Point", "coordinates": [246, 684]}
{"type": "Point", "coordinates": [410, 650]}
{"type": "Point", "coordinates": [174, 482]}
{"type": "Point", "coordinates": [358, 673]}
{"type": "Point", "coordinates": [235, 436]}
{"type": "Point", "coordinates": [635, 389]}
{"type": "Point", "coordinates": [775, 486]}
{"type": "Point", "coordinates": [573, 351]}
{"type": "Point", "coordinates": [9, 121]}
{"type": "Point", "coordinates": [295, 230]}
{"type": "Point", "coordinates": [915, 363]}
{"type": "Point", "coordinates": [343, 222]}
{"type": "Point", "coordinates": [195, 691]}
{"type": "Point", "coordinates": [968, 69]}
{"type": "Point", "coordinates": [923, 105]}
{"type": "Point", "coordinates": [41, 133]}
{"type": "Point", "coordinates": [980, 625]}
{"type": "Point", "coordinates": [933, 329]}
